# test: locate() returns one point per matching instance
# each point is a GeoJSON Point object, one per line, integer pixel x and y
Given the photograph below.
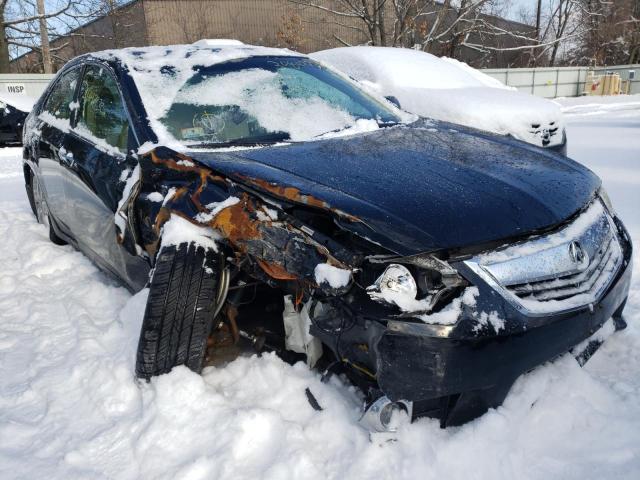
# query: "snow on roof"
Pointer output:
{"type": "Point", "coordinates": [217, 42]}
{"type": "Point", "coordinates": [483, 78]}
{"type": "Point", "coordinates": [160, 71]}
{"type": "Point", "coordinates": [404, 67]}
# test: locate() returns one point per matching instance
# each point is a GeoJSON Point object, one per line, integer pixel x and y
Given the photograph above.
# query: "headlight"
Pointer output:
{"type": "Point", "coordinates": [606, 201]}
{"type": "Point", "coordinates": [395, 281]}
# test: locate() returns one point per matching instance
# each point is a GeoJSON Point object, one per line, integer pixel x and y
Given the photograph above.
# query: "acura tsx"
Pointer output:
{"type": "Point", "coordinates": [270, 204]}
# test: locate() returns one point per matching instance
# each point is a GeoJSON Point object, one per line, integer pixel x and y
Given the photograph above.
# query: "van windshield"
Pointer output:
{"type": "Point", "coordinates": [269, 99]}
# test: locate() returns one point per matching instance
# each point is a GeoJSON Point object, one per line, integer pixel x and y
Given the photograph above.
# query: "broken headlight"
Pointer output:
{"type": "Point", "coordinates": [394, 282]}
{"type": "Point", "coordinates": [429, 287]}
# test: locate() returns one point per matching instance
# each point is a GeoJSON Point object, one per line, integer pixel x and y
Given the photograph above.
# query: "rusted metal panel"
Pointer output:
{"type": "Point", "coordinates": [283, 251]}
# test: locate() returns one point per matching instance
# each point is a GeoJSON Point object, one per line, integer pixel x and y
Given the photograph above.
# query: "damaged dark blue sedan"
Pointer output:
{"type": "Point", "coordinates": [270, 204]}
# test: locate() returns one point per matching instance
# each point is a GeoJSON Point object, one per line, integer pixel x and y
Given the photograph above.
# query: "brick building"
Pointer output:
{"type": "Point", "coordinates": [260, 22]}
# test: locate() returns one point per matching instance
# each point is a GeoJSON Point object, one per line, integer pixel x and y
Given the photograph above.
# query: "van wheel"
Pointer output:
{"type": "Point", "coordinates": [40, 208]}
{"type": "Point", "coordinates": [179, 314]}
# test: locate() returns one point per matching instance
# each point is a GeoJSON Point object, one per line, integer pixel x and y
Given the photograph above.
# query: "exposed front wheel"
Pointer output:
{"type": "Point", "coordinates": [40, 208]}
{"type": "Point", "coordinates": [180, 310]}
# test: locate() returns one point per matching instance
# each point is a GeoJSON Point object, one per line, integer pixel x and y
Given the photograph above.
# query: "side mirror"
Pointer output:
{"type": "Point", "coordinates": [393, 100]}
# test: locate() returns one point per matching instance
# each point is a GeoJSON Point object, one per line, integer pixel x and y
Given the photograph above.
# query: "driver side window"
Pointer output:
{"type": "Point", "coordinates": [59, 102]}
{"type": "Point", "coordinates": [102, 113]}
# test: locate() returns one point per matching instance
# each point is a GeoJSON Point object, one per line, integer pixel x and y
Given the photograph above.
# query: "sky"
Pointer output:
{"type": "Point", "coordinates": [517, 5]}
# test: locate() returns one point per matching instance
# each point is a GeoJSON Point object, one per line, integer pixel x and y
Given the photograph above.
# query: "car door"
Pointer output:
{"type": "Point", "coordinates": [100, 166]}
{"type": "Point", "coordinates": [54, 122]}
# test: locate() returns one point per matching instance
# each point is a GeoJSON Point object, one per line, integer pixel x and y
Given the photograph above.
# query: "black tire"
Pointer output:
{"type": "Point", "coordinates": [40, 209]}
{"type": "Point", "coordinates": [180, 308]}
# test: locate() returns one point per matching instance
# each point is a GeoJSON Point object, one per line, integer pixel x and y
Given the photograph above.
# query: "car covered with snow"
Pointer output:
{"type": "Point", "coordinates": [446, 89]}
{"type": "Point", "coordinates": [13, 112]}
{"type": "Point", "coordinates": [270, 203]}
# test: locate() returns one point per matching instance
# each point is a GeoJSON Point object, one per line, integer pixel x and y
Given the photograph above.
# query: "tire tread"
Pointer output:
{"type": "Point", "coordinates": [179, 313]}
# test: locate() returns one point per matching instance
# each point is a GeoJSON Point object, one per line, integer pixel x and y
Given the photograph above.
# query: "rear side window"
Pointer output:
{"type": "Point", "coordinates": [61, 96]}
{"type": "Point", "coordinates": [102, 113]}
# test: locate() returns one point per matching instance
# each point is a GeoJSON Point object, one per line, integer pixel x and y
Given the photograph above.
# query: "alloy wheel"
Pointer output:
{"type": "Point", "coordinates": [41, 205]}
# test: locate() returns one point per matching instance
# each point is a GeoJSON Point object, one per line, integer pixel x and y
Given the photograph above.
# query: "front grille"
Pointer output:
{"type": "Point", "coordinates": [561, 271]}
{"type": "Point", "coordinates": [566, 286]}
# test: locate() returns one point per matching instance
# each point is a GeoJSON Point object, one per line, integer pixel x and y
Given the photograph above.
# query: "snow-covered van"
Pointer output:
{"type": "Point", "coordinates": [449, 90]}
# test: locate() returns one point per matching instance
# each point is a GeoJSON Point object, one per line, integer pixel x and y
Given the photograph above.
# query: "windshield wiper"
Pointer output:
{"type": "Point", "coordinates": [244, 142]}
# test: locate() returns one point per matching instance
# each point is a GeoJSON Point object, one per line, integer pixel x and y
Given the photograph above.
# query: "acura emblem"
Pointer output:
{"type": "Point", "coordinates": [576, 252]}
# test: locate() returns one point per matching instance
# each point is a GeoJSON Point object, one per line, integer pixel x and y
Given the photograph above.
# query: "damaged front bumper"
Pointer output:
{"type": "Point", "coordinates": [455, 373]}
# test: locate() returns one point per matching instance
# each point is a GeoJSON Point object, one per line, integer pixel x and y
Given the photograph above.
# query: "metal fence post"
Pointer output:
{"type": "Point", "coordinates": [533, 82]}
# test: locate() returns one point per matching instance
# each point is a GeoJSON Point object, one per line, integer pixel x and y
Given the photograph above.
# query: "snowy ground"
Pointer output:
{"type": "Point", "coordinates": [71, 409]}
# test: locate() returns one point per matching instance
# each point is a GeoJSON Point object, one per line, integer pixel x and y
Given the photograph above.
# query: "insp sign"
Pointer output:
{"type": "Point", "coordinates": [16, 89]}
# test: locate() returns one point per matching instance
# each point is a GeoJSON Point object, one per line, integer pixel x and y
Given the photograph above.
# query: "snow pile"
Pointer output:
{"type": "Point", "coordinates": [70, 407]}
{"type": "Point", "coordinates": [215, 208]}
{"type": "Point", "coordinates": [335, 277]}
{"type": "Point", "coordinates": [180, 230]}
{"type": "Point", "coordinates": [600, 105]}
{"type": "Point", "coordinates": [606, 138]}
{"type": "Point", "coordinates": [449, 315]}
{"type": "Point", "coordinates": [446, 89]}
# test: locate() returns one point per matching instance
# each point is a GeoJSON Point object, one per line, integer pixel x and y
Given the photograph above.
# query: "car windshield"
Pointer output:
{"type": "Point", "coordinates": [269, 99]}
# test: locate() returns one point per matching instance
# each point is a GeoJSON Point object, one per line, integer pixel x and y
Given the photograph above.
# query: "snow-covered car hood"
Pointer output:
{"type": "Point", "coordinates": [505, 112]}
{"type": "Point", "coordinates": [425, 186]}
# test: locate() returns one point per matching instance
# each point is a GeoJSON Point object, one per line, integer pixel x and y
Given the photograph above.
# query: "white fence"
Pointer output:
{"type": "Point", "coordinates": [18, 84]}
{"type": "Point", "coordinates": [560, 81]}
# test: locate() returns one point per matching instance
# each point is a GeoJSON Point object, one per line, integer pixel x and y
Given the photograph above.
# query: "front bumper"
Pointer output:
{"type": "Point", "coordinates": [415, 365]}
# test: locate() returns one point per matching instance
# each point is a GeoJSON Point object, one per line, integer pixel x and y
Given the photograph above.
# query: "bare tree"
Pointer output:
{"type": "Point", "coordinates": [453, 25]}
{"type": "Point", "coordinates": [28, 27]}
{"type": "Point", "coordinates": [364, 16]}
{"type": "Point", "coordinates": [291, 32]}
{"type": "Point", "coordinates": [20, 26]}
{"type": "Point", "coordinates": [44, 38]}
{"type": "Point", "coordinates": [441, 27]}
{"type": "Point", "coordinates": [609, 34]}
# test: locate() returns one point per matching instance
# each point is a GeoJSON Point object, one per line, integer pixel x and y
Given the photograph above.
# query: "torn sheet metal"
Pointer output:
{"type": "Point", "coordinates": [284, 250]}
